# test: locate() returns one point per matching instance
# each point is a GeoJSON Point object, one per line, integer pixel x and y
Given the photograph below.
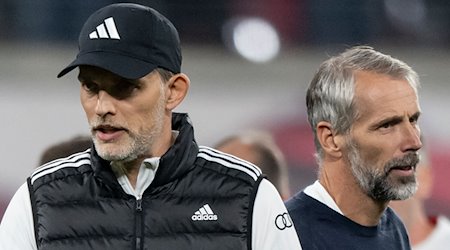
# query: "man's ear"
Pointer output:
{"type": "Point", "coordinates": [331, 142]}
{"type": "Point", "coordinates": [178, 86]}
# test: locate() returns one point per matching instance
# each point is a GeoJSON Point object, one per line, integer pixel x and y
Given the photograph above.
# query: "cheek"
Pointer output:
{"type": "Point", "coordinates": [151, 108]}
{"type": "Point", "coordinates": [373, 156]}
{"type": "Point", "coordinates": [141, 116]}
{"type": "Point", "coordinates": [88, 105]}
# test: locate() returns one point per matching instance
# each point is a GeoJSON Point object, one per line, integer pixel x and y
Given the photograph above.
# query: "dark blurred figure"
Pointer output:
{"type": "Point", "coordinates": [439, 14]}
{"type": "Point", "coordinates": [6, 18]}
{"type": "Point", "coordinates": [55, 151]}
{"type": "Point", "coordinates": [343, 22]}
{"type": "Point", "coordinates": [259, 148]}
{"type": "Point", "coordinates": [65, 148]}
{"type": "Point", "coordinates": [48, 20]}
{"type": "Point", "coordinates": [198, 21]}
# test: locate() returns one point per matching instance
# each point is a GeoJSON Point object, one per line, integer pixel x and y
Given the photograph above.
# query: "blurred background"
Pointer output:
{"type": "Point", "coordinates": [249, 64]}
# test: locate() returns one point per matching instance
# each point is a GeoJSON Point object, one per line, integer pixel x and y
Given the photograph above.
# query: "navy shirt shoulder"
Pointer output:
{"type": "Point", "coordinates": [320, 227]}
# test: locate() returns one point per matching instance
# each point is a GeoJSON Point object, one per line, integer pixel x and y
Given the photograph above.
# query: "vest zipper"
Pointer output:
{"type": "Point", "coordinates": [138, 224]}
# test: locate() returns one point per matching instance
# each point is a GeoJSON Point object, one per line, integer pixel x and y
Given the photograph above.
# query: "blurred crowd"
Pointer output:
{"type": "Point", "coordinates": [306, 22]}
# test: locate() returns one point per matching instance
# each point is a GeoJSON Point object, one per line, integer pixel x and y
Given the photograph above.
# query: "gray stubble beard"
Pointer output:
{"type": "Point", "coordinates": [380, 185]}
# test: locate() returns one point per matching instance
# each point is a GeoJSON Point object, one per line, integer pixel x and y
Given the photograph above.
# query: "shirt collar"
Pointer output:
{"type": "Point", "coordinates": [318, 192]}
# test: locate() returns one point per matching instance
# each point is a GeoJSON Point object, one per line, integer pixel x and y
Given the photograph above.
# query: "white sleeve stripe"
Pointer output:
{"type": "Point", "coordinates": [72, 158]}
{"type": "Point", "coordinates": [227, 164]}
{"type": "Point", "coordinates": [230, 158]}
{"type": "Point", "coordinates": [65, 165]}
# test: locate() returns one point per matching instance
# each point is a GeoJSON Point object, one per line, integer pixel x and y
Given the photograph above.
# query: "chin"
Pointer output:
{"type": "Point", "coordinates": [403, 191]}
{"type": "Point", "coordinates": [110, 152]}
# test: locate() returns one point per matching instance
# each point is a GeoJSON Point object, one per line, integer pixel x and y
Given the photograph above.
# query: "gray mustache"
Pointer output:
{"type": "Point", "coordinates": [411, 159]}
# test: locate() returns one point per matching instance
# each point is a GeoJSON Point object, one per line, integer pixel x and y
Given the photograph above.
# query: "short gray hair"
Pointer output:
{"type": "Point", "coordinates": [164, 73]}
{"type": "Point", "coordinates": [330, 95]}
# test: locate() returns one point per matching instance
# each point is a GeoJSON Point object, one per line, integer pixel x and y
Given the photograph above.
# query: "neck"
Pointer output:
{"type": "Point", "coordinates": [339, 182]}
{"type": "Point", "coordinates": [160, 147]}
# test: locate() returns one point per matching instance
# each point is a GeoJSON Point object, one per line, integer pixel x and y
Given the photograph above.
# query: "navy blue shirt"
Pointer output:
{"type": "Point", "coordinates": [320, 227]}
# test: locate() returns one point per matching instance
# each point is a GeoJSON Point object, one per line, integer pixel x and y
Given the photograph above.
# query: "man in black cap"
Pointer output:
{"type": "Point", "coordinates": [145, 184]}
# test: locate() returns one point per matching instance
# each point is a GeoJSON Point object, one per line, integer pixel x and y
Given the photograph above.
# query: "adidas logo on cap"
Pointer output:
{"type": "Point", "coordinates": [204, 213]}
{"type": "Point", "coordinates": [106, 30]}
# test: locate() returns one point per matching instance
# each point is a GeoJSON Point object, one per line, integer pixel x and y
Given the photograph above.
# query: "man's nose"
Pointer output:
{"type": "Point", "coordinates": [412, 138]}
{"type": "Point", "coordinates": [105, 104]}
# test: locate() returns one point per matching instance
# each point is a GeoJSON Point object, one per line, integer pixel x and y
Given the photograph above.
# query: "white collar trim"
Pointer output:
{"type": "Point", "coordinates": [318, 192]}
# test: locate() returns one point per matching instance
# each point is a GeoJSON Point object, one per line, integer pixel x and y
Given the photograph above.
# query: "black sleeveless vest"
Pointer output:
{"type": "Point", "coordinates": [199, 199]}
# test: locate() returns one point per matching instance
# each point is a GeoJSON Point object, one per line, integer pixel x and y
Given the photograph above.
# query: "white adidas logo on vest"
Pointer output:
{"type": "Point", "coordinates": [204, 213]}
{"type": "Point", "coordinates": [106, 30]}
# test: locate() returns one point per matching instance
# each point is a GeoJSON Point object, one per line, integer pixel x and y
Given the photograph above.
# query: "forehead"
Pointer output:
{"type": "Point", "coordinates": [382, 95]}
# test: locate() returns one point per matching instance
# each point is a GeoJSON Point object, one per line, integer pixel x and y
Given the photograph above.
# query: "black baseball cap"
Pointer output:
{"type": "Point", "coordinates": [129, 40]}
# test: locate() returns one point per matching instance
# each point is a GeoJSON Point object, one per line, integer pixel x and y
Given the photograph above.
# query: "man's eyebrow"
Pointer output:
{"type": "Point", "coordinates": [416, 115]}
{"type": "Point", "coordinates": [391, 119]}
{"type": "Point", "coordinates": [395, 119]}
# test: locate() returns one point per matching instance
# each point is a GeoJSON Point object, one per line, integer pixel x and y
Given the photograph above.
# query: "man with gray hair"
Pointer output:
{"type": "Point", "coordinates": [363, 108]}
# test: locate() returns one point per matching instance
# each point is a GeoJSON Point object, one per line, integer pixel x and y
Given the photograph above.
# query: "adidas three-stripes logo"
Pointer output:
{"type": "Point", "coordinates": [204, 213]}
{"type": "Point", "coordinates": [106, 30]}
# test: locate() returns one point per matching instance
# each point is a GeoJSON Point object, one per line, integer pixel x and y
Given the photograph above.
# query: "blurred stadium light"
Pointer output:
{"type": "Point", "coordinates": [255, 39]}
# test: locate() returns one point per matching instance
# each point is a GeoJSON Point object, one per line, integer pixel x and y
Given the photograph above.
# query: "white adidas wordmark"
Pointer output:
{"type": "Point", "coordinates": [204, 213]}
{"type": "Point", "coordinates": [106, 30]}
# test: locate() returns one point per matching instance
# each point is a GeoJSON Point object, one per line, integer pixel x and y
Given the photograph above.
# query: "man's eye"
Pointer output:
{"type": "Point", "coordinates": [413, 119]}
{"type": "Point", "coordinates": [91, 87]}
{"type": "Point", "coordinates": [386, 125]}
{"type": "Point", "coordinates": [389, 124]}
{"type": "Point", "coordinates": [124, 90]}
